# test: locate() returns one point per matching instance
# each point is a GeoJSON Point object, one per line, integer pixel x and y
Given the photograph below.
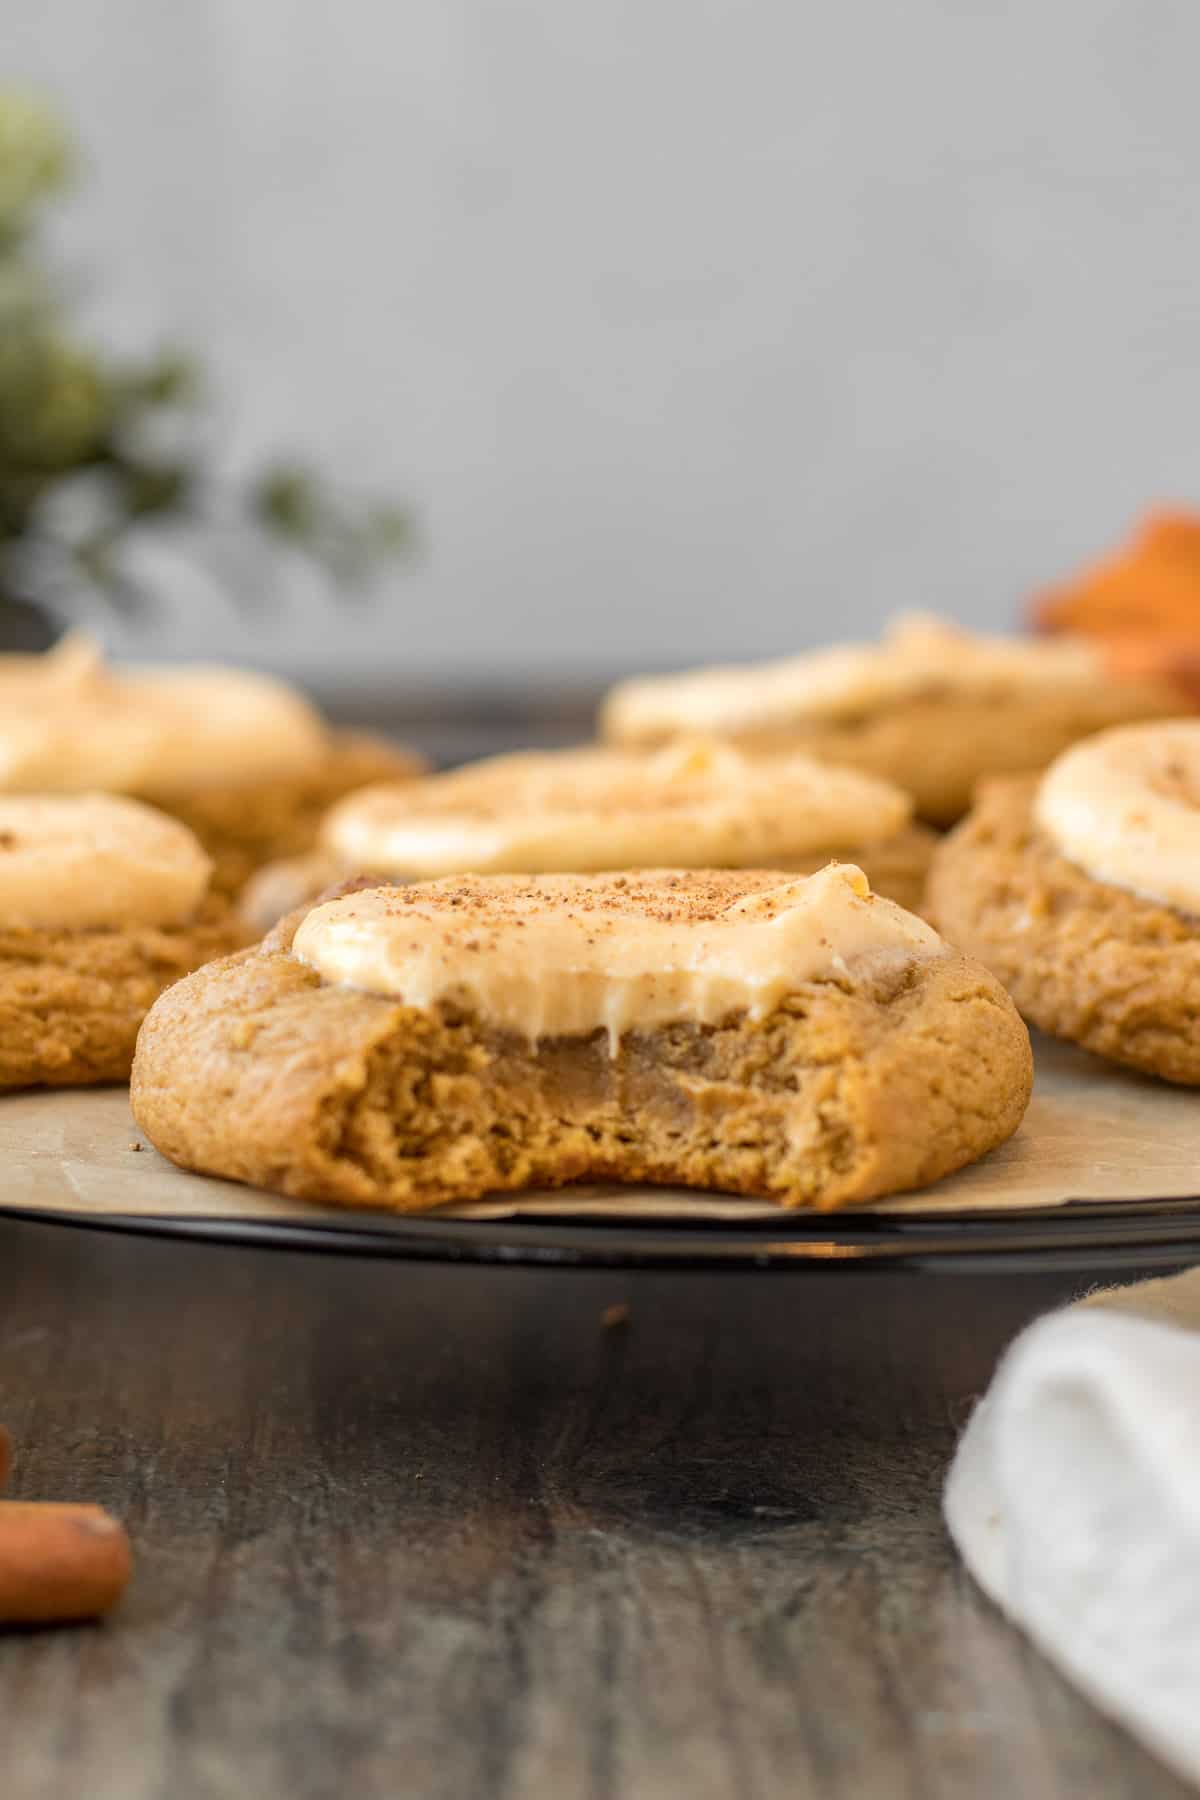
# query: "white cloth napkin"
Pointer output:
{"type": "Point", "coordinates": [1074, 1500]}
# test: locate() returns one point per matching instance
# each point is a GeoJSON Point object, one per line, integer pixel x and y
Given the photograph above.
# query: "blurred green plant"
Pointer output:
{"type": "Point", "coordinates": [91, 448]}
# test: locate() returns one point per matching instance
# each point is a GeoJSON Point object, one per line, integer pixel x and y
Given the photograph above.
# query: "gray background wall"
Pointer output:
{"type": "Point", "coordinates": [693, 326]}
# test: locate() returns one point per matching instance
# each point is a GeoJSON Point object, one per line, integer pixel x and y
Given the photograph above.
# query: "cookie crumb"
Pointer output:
{"type": "Point", "coordinates": [613, 1317]}
{"type": "Point", "coordinates": [136, 1146]}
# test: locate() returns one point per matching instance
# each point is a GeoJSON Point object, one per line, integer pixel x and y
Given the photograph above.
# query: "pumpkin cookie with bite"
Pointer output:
{"type": "Point", "coordinates": [764, 1034]}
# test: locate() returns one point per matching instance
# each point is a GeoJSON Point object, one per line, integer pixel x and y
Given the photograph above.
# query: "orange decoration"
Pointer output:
{"type": "Point", "coordinates": [59, 1562]}
{"type": "Point", "coordinates": [1142, 603]}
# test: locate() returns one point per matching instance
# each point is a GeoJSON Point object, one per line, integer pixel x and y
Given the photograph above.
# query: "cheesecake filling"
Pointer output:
{"type": "Point", "coordinates": [566, 955]}
{"type": "Point", "coordinates": [918, 655]}
{"type": "Point", "coordinates": [77, 862]}
{"type": "Point", "coordinates": [1124, 806]}
{"type": "Point", "coordinates": [694, 804]}
{"type": "Point", "coordinates": [71, 723]}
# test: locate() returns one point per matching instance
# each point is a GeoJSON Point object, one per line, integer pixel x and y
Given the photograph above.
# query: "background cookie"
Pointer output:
{"type": "Point", "coordinates": [1084, 960]}
{"type": "Point", "coordinates": [244, 760]}
{"type": "Point", "coordinates": [696, 803]}
{"type": "Point", "coordinates": [931, 707]}
{"type": "Point", "coordinates": [103, 904]}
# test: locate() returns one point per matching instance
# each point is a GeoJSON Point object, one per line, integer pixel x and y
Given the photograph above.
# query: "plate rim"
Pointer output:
{"type": "Point", "coordinates": [1153, 1232]}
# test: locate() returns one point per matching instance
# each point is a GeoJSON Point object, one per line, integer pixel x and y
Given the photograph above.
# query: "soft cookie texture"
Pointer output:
{"type": "Point", "coordinates": [1103, 967]}
{"type": "Point", "coordinates": [849, 1088]}
{"type": "Point", "coordinates": [103, 903]}
{"type": "Point", "coordinates": [71, 1002]}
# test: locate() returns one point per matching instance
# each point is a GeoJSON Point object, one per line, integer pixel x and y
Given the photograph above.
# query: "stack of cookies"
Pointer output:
{"type": "Point", "coordinates": [726, 946]}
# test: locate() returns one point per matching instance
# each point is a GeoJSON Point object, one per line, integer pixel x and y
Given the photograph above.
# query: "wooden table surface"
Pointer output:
{"type": "Point", "coordinates": [416, 1531]}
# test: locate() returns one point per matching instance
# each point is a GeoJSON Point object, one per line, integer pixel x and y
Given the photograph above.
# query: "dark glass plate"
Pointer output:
{"type": "Point", "coordinates": [1096, 1235]}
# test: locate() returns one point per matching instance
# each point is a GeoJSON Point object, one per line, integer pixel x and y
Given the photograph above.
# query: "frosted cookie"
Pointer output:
{"type": "Point", "coordinates": [244, 760]}
{"type": "Point", "coordinates": [750, 1031]}
{"type": "Point", "coordinates": [694, 804]}
{"type": "Point", "coordinates": [1081, 891]}
{"type": "Point", "coordinates": [103, 903]}
{"type": "Point", "coordinates": [932, 707]}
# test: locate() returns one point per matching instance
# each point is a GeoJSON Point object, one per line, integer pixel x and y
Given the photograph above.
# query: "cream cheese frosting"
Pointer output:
{"type": "Point", "coordinates": [693, 804]}
{"type": "Point", "coordinates": [918, 655]}
{"type": "Point", "coordinates": [1124, 806]}
{"type": "Point", "coordinates": [80, 862]}
{"type": "Point", "coordinates": [559, 955]}
{"type": "Point", "coordinates": [71, 723]}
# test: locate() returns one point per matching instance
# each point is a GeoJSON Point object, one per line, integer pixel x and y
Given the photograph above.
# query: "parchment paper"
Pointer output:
{"type": "Point", "coordinates": [1092, 1132]}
